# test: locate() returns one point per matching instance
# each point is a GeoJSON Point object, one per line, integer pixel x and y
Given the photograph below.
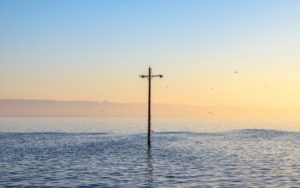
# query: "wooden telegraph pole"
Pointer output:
{"type": "Point", "coordinates": [150, 76]}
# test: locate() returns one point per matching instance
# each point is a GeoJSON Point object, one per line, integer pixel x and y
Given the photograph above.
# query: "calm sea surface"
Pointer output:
{"type": "Point", "coordinates": [112, 152]}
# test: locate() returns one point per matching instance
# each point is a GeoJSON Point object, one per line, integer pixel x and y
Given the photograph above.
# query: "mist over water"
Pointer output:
{"type": "Point", "coordinates": [113, 152]}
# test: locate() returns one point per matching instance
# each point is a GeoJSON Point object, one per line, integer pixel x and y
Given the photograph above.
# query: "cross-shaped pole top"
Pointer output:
{"type": "Point", "coordinates": [151, 76]}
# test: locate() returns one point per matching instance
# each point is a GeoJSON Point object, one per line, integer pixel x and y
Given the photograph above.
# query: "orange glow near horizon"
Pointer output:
{"type": "Point", "coordinates": [216, 87]}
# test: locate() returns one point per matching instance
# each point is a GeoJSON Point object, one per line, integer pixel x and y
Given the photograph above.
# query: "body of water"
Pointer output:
{"type": "Point", "coordinates": [113, 152]}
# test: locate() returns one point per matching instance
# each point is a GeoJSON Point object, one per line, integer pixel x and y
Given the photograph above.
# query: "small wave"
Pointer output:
{"type": "Point", "coordinates": [257, 131]}
{"type": "Point", "coordinates": [174, 132]}
{"type": "Point", "coordinates": [262, 133]}
{"type": "Point", "coordinates": [189, 133]}
{"type": "Point", "coordinates": [50, 133]}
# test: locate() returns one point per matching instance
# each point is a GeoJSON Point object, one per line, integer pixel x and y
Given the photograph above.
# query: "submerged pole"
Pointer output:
{"type": "Point", "coordinates": [149, 108]}
{"type": "Point", "coordinates": [149, 76]}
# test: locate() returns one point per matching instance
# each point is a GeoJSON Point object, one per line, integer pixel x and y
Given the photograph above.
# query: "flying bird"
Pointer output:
{"type": "Point", "coordinates": [210, 113]}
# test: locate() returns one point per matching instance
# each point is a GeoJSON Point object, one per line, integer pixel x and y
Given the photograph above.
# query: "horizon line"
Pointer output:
{"type": "Point", "coordinates": [140, 102]}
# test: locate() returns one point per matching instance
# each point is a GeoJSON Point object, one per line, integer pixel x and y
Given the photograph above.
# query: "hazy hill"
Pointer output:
{"type": "Point", "coordinates": [51, 108]}
{"type": "Point", "coordinates": [20, 107]}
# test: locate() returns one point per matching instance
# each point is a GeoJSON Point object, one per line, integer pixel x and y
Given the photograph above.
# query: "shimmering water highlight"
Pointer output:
{"type": "Point", "coordinates": [234, 158]}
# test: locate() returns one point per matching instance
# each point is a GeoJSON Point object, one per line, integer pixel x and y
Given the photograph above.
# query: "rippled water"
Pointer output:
{"type": "Point", "coordinates": [113, 153]}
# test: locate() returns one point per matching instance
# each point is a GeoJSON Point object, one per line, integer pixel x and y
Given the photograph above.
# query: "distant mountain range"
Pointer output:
{"type": "Point", "coordinates": [52, 108]}
{"type": "Point", "coordinates": [21, 107]}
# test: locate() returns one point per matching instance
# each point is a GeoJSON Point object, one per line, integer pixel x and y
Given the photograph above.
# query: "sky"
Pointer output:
{"type": "Point", "coordinates": [213, 52]}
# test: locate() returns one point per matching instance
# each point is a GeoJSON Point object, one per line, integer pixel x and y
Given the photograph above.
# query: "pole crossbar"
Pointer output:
{"type": "Point", "coordinates": [147, 76]}
{"type": "Point", "coordinates": [150, 76]}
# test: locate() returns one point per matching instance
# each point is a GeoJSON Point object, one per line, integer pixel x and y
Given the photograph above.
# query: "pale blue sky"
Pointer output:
{"type": "Point", "coordinates": [50, 48]}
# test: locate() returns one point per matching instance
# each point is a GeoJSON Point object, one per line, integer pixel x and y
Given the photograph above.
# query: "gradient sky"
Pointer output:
{"type": "Point", "coordinates": [95, 50]}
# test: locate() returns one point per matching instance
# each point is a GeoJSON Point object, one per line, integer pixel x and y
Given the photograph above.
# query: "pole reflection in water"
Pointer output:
{"type": "Point", "coordinates": [149, 169]}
